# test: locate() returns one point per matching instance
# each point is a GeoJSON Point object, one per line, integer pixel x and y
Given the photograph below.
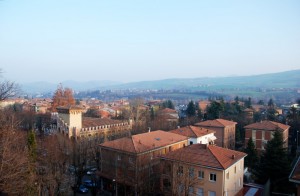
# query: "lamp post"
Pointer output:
{"type": "Point", "coordinates": [115, 187]}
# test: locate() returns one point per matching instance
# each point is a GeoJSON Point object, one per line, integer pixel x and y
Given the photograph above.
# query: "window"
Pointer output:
{"type": "Point", "coordinates": [200, 174]}
{"type": "Point", "coordinates": [130, 160]}
{"type": "Point", "coordinates": [212, 193]}
{"type": "Point", "coordinates": [213, 177]}
{"type": "Point", "coordinates": [119, 157]}
{"type": "Point", "coordinates": [180, 170]}
{"type": "Point", "coordinates": [191, 172]}
{"type": "Point", "coordinates": [191, 142]}
{"type": "Point", "coordinates": [200, 192]}
{"type": "Point", "coordinates": [254, 135]}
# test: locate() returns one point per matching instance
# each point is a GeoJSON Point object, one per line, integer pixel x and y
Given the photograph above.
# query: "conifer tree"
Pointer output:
{"type": "Point", "coordinates": [191, 109]}
{"type": "Point", "coordinates": [274, 163]}
{"type": "Point", "coordinates": [32, 146]}
{"type": "Point", "coordinates": [251, 159]}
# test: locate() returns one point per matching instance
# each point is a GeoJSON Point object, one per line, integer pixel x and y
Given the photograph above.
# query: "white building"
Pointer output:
{"type": "Point", "coordinates": [196, 135]}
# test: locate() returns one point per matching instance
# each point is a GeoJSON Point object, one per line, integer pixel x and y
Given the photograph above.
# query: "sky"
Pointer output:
{"type": "Point", "coordinates": [138, 40]}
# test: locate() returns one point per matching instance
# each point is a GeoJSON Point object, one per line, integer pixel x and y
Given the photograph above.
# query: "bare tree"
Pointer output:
{"type": "Point", "coordinates": [16, 171]}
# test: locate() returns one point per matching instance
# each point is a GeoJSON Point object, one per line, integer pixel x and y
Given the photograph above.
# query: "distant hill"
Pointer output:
{"type": "Point", "coordinates": [44, 87]}
{"type": "Point", "coordinates": [288, 79]}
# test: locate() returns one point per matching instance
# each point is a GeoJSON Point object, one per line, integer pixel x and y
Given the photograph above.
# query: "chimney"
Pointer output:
{"type": "Point", "coordinates": [233, 156]}
{"type": "Point", "coordinates": [149, 129]}
{"type": "Point", "coordinates": [178, 127]}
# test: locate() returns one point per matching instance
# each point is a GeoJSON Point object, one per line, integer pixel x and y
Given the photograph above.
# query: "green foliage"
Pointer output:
{"type": "Point", "coordinates": [215, 110]}
{"type": "Point", "coordinates": [251, 159]}
{"type": "Point", "coordinates": [261, 102]}
{"type": "Point", "coordinates": [271, 114]}
{"type": "Point", "coordinates": [152, 114]}
{"type": "Point", "coordinates": [191, 109]}
{"type": "Point", "coordinates": [32, 145]}
{"type": "Point", "coordinates": [248, 103]}
{"type": "Point", "coordinates": [274, 163]}
{"type": "Point", "coordinates": [271, 103]}
{"type": "Point", "coordinates": [168, 104]}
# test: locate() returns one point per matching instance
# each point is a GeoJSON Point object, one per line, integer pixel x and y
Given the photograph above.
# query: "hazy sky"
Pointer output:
{"type": "Point", "coordinates": [126, 40]}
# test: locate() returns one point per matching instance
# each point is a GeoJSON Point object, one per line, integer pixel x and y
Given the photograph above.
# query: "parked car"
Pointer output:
{"type": "Point", "coordinates": [82, 189]}
{"type": "Point", "coordinates": [89, 183]}
{"type": "Point", "coordinates": [91, 171]}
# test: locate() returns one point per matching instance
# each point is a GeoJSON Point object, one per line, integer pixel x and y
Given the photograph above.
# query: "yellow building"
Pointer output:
{"type": "Point", "coordinates": [201, 169]}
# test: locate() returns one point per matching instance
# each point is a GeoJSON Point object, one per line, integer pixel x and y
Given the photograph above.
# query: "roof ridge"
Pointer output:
{"type": "Point", "coordinates": [191, 129]}
{"type": "Point", "coordinates": [133, 143]}
{"type": "Point", "coordinates": [209, 147]}
{"type": "Point", "coordinates": [218, 121]}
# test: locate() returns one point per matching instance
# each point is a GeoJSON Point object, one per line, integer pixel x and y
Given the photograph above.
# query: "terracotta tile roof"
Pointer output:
{"type": "Point", "coordinates": [267, 125]}
{"type": "Point", "coordinates": [93, 122]}
{"type": "Point", "coordinates": [168, 110]}
{"type": "Point", "coordinates": [207, 156]}
{"type": "Point", "coordinates": [145, 141]}
{"type": "Point", "coordinates": [69, 107]}
{"type": "Point", "coordinates": [216, 123]}
{"type": "Point", "coordinates": [192, 131]}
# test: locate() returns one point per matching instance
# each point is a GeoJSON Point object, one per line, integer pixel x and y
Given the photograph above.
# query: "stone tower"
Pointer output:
{"type": "Point", "coordinates": [72, 119]}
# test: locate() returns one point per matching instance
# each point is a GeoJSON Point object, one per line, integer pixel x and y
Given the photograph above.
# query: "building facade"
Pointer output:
{"type": "Point", "coordinates": [225, 131]}
{"type": "Point", "coordinates": [130, 165]}
{"type": "Point", "coordinates": [196, 135]}
{"type": "Point", "coordinates": [201, 169]}
{"type": "Point", "coordinates": [69, 121]}
{"type": "Point", "coordinates": [262, 132]}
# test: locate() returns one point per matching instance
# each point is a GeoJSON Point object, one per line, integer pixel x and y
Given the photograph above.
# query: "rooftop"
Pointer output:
{"type": "Point", "coordinates": [94, 122]}
{"type": "Point", "coordinates": [207, 156]}
{"type": "Point", "coordinates": [216, 123]}
{"type": "Point", "coordinates": [144, 142]}
{"type": "Point", "coordinates": [192, 131]}
{"type": "Point", "coordinates": [267, 125]}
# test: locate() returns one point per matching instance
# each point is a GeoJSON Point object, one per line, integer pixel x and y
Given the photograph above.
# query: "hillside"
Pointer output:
{"type": "Point", "coordinates": [288, 79]}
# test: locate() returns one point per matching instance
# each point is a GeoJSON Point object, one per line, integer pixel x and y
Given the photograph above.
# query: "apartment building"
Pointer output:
{"type": "Point", "coordinates": [202, 169]}
{"type": "Point", "coordinates": [225, 131]}
{"type": "Point", "coordinates": [196, 135]}
{"type": "Point", "coordinates": [262, 132]}
{"type": "Point", "coordinates": [130, 165]}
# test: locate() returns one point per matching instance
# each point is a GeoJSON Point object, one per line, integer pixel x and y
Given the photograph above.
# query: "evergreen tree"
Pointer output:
{"type": "Point", "coordinates": [275, 164]}
{"type": "Point", "coordinates": [152, 115]}
{"type": "Point", "coordinates": [215, 110]}
{"type": "Point", "coordinates": [248, 103]}
{"type": "Point", "coordinates": [168, 104]}
{"type": "Point", "coordinates": [271, 103]}
{"type": "Point", "coordinates": [191, 109]}
{"type": "Point", "coordinates": [32, 146]}
{"type": "Point", "coordinates": [251, 159]}
{"type": "Point", "coordinates": [261, 102]}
